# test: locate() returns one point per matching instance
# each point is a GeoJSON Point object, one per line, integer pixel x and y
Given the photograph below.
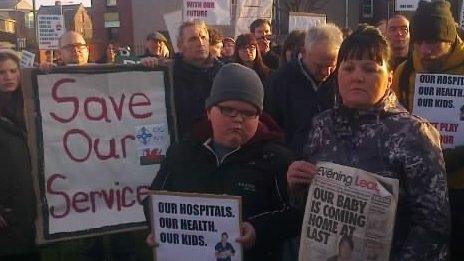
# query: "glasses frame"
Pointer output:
{"type": "Point", "coordinates": [232, 112]}
{"type": "Point", "coordinates": [80, 47]}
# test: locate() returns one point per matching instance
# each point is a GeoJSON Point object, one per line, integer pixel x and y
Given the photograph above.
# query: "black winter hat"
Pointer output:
{"type": "Point", "coordinates": [236, 82]}
{"type": "Point", "coordinates": [433, 21]}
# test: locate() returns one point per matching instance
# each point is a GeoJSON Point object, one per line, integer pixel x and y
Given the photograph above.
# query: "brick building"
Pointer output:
{"type": "Point", "coordinates": [17, 24]}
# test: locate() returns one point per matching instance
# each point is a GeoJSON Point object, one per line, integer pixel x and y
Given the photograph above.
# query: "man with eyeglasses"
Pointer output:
{"type": "Point", "coordinates": [262, 30]}
{"type": "Point", "coordinates": [398, 36]}
{"type": "Point", "coordinates": [302, 88]}
{"type": "Point", "coordinates": [237, 152]}
{"type": "Point", "coordinates": [73, 51]}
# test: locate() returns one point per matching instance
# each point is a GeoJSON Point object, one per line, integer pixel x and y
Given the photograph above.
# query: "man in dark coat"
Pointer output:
{"type": "Point", "coordinates": [194, 70]}
{"type": "Point", "coordinates": [300, 89]}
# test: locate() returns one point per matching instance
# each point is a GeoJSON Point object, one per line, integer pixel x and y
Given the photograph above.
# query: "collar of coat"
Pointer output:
{"type": "Point", "coordinates": [348, 119]}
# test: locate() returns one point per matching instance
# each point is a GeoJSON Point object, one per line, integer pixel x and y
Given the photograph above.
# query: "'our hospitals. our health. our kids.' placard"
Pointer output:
{"type": "Point", "coordinates": [440, 99]}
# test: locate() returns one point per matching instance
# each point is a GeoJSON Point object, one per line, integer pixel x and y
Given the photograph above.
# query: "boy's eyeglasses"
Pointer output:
{"type": "Point", "coordinates": [231, 112]}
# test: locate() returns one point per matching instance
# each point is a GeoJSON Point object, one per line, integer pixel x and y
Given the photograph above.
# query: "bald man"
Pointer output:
{"type": "Point", "coordinates": [73, 50]}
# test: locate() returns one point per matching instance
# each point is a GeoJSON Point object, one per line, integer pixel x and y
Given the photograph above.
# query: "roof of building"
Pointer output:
{"type": "Point", "coordinates": [19, 5]}
{"type": "Point", "coordinates": [57, 9]}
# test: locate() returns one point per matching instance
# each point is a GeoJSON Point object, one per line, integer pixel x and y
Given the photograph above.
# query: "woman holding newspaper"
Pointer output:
{"type": "Point", "coordinates": [367, 129]}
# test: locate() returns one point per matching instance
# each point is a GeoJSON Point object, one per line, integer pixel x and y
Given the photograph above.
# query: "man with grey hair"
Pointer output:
{"type": "Point", "coordinates": [302, 88]}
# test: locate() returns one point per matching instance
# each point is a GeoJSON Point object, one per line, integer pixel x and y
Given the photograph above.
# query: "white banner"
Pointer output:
{"type": "Point", "coordinates": [172, 24]}
{"type": "Point", "coordinates": [103, 138]}
{"type": "Point", "coordinates": [49, 29]}
{"type": "Point", "coordinates": [304, 21]}
{"type": "Point", "coordinates": [440, 99]}
{"type": "Point", "coordinates": [250, 10]}
{"type": "Point", "coordinates": [213, 12]}
{"type": "Point", "coordinates": [196, 226]}
{"type": "Point", "coordinates": [349, 207]}
{"type": "Point", "coordinates": [407, 5]}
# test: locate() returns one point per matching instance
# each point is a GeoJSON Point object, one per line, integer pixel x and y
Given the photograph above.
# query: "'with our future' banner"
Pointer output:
{"type": "Point", "coordinates": [190, 226]}
{"type": "Point", "coordinates": [213, 12]}
{"type": "Point", "coordinates": [440, 99]}
{"type": "Point", "coordinates": [100, 136]}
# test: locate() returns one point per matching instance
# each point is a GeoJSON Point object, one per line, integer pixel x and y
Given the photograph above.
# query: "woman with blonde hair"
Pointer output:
{"type": "Point", "coordinates": [17, 201]}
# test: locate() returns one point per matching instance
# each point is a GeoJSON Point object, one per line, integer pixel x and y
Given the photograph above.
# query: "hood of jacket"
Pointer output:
{"type": "Point", "coordinates": [454, 60]}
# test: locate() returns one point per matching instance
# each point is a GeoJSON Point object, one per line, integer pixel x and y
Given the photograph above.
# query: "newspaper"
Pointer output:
{"type": "Point", "coordinates": [349, 213]}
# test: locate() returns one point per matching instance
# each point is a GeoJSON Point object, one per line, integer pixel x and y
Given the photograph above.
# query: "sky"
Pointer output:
{"type": "Point", "coordinates": [64, 2]}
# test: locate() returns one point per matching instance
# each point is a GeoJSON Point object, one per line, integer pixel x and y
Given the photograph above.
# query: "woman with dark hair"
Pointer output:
{"type": "Point", "coordinates": [17, 202]}
{"type": "Point", "coordinates": [368, 129]}
{"type": "Point", "coordinates": [110, 54]}
{"type": "Point", "coordinates": [293, 46]}
{"type": "Point", "coordinates": [246, 53]}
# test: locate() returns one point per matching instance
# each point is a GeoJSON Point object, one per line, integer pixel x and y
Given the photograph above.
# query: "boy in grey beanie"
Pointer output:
{"type": "Point", "coordinates": [237, 152]}
{"type": "Point", "coordinates": [236, 82]}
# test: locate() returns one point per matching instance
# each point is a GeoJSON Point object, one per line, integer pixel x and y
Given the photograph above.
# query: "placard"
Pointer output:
{"type": "Point", "coordinates": [97, 137]}
{"type": "Point", "coordinates": [27, 59]}
{"type": "Point", "coordinates": [49, 30]}
{"type": "Point", "coordinates": [172, 24]}
{"type": "Point", "coordinates": [250, 10]}
{"type": "Point", "coordinates": [440, 99]}
{"type": "Point", "coordinates": [407, 5]}
{"type": "Point", "coordinates": [304, 21]}
{"type": "Point", "coordinates": [213, 12]}
{"type": "Point", "coordinates": [191, 226]}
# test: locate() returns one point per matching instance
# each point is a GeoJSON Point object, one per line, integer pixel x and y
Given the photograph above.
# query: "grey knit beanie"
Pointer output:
{"type": "Point", "coordinates": [236, 82]}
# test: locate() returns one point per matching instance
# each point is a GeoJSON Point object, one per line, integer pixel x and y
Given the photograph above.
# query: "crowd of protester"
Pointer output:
{"type": "Point", "coordinates": [336, 95]}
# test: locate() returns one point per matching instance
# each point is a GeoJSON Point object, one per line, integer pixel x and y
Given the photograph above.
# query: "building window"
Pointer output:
{"type": "Point", "coordinates": [368, 8]}
{"type": "Point", "coordinates": [7, 26]}
{"type": "Point", "coordinates": [113, 34]}
{"type": "Point", "coordinates": [29, 20]}
{"type": "Point", "coordinates": [111, 19]}
{"type": "Point", "coordinates": [110, 2]}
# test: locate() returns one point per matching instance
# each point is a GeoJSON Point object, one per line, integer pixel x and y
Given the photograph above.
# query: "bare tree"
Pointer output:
{"type": "Point", "coordinates": [303, 5]}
